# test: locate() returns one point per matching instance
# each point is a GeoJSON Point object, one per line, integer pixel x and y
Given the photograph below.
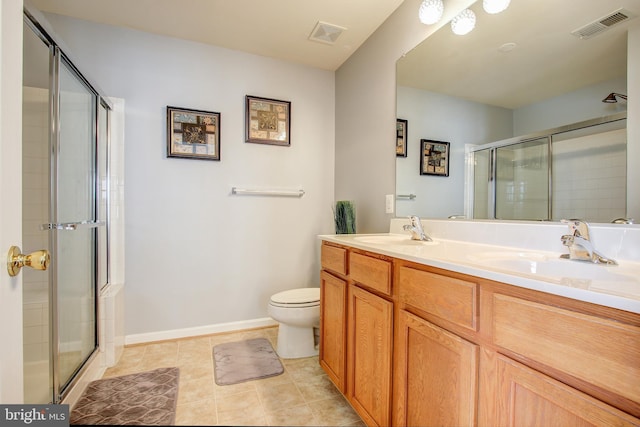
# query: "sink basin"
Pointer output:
{"type": "Point", "coordinates": [550, 267]}
{"type": "Point", "coordinates": [391, 239]}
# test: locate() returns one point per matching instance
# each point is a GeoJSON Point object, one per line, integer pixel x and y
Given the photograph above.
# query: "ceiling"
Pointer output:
{"type": "Point", "coordinates": [547, 60]}
{"type": "Point", "coordinates": [273, 28]}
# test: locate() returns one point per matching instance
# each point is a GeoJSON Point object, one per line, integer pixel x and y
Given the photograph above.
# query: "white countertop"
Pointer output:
{"type": "Point", "coordinates": [611, 286]}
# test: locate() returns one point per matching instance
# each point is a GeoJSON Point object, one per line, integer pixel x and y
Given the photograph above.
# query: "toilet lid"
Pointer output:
{"type": "Point", "coordinates": [297, 296]}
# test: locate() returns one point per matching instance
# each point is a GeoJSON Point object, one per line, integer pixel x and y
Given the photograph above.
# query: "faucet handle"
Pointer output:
{"type": "Point", "coordinates": [578, 227]}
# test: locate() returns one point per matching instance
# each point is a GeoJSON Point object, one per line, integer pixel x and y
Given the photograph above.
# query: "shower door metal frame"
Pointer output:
{"type": "Point", "coordinates": [57, 57]}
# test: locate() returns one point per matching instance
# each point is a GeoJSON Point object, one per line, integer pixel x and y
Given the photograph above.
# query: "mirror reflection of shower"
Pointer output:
{"type": "Point", "coordinates": [576, 171]}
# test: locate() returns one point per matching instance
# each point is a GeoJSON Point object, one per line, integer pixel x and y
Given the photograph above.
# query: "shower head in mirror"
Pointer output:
{"type": "Point", "coordinates": [613, 98]}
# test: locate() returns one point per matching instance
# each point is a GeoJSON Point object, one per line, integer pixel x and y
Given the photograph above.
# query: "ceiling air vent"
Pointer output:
{"type": "Point", "coordinates": [326, 33]}
{"type": "Point", "coordinates": [603, 24]}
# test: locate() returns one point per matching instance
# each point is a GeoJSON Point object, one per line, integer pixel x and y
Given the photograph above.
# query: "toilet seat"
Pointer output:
{"type": "Point", "coordinates": [296, 298]}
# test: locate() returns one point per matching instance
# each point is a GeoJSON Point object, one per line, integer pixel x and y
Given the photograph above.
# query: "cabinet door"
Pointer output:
{"type": "Point", "coordinates": [435, 379]}
{"type": "Point", "coordinates": [369, 356]}
{"type": "Point", "coordinates": [529, 398]}
{"type": "Point", "coordinates": [333, 326]}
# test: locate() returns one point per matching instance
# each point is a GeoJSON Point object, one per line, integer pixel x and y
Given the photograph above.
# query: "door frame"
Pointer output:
{"type": "Point", "coordinates": [11, 353]}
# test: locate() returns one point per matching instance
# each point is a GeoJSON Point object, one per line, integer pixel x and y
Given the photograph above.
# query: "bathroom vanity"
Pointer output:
{"type": "Point", "coordinates": [442, 334]}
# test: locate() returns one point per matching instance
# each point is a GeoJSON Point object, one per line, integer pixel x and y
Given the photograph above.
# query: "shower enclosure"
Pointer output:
{"type": "Point", "coordinates": [575, 171]}
{"type": "Point", "coordinates": [65, 205]}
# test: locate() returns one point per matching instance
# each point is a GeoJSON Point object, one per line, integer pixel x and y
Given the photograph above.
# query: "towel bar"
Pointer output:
{"type": "Point", "coordinates": [406, 196]}
{"type": "Point", "coordinates": [266, 192]}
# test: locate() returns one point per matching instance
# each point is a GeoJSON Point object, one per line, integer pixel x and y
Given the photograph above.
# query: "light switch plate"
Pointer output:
{"type": "Point", "coordinates": [389, 203]}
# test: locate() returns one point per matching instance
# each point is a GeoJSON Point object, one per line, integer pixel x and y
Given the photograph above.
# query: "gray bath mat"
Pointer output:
{"type": "Point", "coordinates": [148, 398]}
{"type": "Point", "coordinates": [237, 362]}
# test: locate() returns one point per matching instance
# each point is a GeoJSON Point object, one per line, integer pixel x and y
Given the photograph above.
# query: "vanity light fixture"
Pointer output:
{"type": "Point", "coordinates": [495, 6]}
{"type": "Point", "coordinates": [613, 98]}
{"type": "Point", "coordinates": [430, 11]}
{"type": "Point", "coordinates": [464, 22]}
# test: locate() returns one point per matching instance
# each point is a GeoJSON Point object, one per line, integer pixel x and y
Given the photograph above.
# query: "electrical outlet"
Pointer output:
{"type": "Point", "coordinates": [389, 203]}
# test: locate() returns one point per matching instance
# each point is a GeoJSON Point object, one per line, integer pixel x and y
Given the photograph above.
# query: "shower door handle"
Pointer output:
{"type": "Point", "coordinates": [38, 260]}
{"type": "Point", "coordinates": [72, 225]}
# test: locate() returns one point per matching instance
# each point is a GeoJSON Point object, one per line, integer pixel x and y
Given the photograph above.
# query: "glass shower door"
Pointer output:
{"type": "Point", "coordinates": [482, 184]}
{"type": "Point", "coordinates": [36, 129]}
{"type": "Point", "coordinates": [522, 180]}
{"type": "Point", "coordinates": [75, 230]}
{"type": "Point", "coordinates": [65, 194]}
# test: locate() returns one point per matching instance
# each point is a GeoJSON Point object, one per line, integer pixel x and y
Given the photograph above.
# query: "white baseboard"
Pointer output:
{"type": "Point", "coordinates": [199, 330]}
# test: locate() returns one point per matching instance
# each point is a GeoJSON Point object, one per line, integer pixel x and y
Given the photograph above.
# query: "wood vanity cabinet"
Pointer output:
{"type": "Point", "coordinates": [435, 370]}
{"type": "Point", "coordinates": [467, 351]}
{"type": "Point", "coordinates": [370, 320]}
{"type": "Point", "coordinates": [526, 397]}
{"type": "Point", "coordinates": [333, 337]}
{"type": "Point", "coordinates": [435, 375]}
{"type": "Point", "coordinates": [356, 329]}
{"type": "Point", "coordinates": [370, 337]}
{"type": "Point", "coordinates": [333, 312]}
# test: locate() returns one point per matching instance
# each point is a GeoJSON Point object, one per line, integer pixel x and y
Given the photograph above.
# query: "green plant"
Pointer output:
{"type": "Point", "coordinates": [344, 215]}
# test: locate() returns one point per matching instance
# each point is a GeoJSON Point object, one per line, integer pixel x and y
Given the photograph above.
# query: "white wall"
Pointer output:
{"type": "Point", "coordinates": [573, 107]}
{"type": "Point", "coordinates": [429, 117]}
{"type": "Point", "coordinates": [196, 255]}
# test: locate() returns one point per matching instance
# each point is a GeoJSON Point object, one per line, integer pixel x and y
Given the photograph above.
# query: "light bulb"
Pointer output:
{"type": "Point", "coordinates": [495, 6]}
{"type": "Point", "coordinates": [430, 11]}
{"type": "Point", "coordinates": [464, 22]}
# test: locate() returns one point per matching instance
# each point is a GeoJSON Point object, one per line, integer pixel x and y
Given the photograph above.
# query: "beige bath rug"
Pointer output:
{"type": "Point", "coordinates": [148, 398]}
{"type": "Point", "coordinates": [237, 362]}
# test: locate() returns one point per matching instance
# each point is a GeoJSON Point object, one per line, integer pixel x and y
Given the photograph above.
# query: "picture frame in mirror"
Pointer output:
{"type": "Point", "coordinates": [401, 137]}
{"type": "Point", "coordinates": [434, 157]}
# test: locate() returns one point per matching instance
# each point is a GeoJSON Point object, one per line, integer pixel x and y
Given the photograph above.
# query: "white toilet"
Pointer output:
{"type": "Point", "coordinates": [298, 312]}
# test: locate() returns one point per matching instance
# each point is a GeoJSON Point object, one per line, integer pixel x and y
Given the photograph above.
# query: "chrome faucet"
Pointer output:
{"type": "Point", "coordinates": [580, 245]}
{"type": "Point", "coordinates": [417, 232]}
{"type": "Point", "coordinates": [623, 221]}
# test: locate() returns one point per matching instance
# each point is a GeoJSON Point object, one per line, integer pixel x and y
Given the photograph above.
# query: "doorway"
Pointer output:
{"type": "Point", "coordinates": [65, 199]}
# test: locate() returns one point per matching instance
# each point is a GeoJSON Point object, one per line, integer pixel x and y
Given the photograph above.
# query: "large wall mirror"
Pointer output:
{"type": "Point", "coordinates": [520, 101]}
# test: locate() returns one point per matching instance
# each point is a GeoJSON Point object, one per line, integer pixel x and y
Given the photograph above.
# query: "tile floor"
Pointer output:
{"type": "Point", "coordinates": [302, 396]}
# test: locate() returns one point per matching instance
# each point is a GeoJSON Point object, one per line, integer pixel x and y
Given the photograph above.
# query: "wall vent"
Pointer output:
{"type": "Point", "coordinates": [603, 24]}
{"type": "Point", "coordinates": [326, 33]}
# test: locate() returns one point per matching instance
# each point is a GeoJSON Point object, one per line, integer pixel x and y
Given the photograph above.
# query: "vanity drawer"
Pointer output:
{"type": "Point", "coordinates": [372, 272]}
{"type": "Point", "coordinates": [451, 299]}
{"type": "Point", "coordinates": [600, 351]}
{"type": "Point", "coordinates": [334, 258]}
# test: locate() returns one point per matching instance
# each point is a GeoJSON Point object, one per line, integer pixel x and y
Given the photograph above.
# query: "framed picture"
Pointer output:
{"type": "Point", "coordinates": [268, 121]}
{"type": "Point", "coordinates": [193, 134]}
{"type": "Point", "coordinates": [434, 157]}
{"type": "Point", "coordinates": [401, 138]}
